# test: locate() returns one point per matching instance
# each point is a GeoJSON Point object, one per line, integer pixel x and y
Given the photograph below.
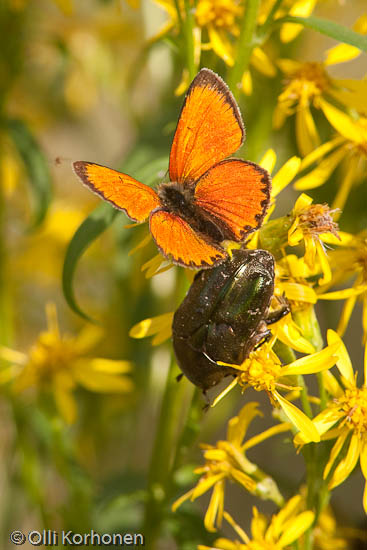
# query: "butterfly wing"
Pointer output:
{"type": "Point", "coordinates": [237, 194]}
{"type": "Point", "coordinates": [181, 244]}
{"type": "Point", "coordinates": [209, 129]}
{"type": "Point", "coordinates": [124, 192]}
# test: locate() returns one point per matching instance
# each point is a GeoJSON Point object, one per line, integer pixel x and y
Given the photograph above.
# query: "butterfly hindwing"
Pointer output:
{"type": "Point", "coordinates": [237, 193]}
{"type": "Point", "coordinates": [209, 129]}
{"type": "Point", "coordinates": [181, 244]}
{"type": "Point", "coordinates": [123, 191]}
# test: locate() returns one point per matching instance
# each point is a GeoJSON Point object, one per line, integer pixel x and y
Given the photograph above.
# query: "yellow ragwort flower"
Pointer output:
{"type": "Point", "coordinates": [348, 149]}
{"type": "Point", "coordinates": [284, 528]}
{"type": "Point", "coordinates": [308, 84]}
{"type": "Point", "coordinates": [216, 27]}
{"type": "Point", "coordinates": [350, 260]}
{"type": "Point", "coordinates": [312, 222]}
{"type": "Point", "coordinates": [58, 363]}
{"type": "Point", "coordinates": [344, 418]}
{"type": "Point", "coordinates": [263, 371]}
{"type": "Point", "coordinates": [227, 461]}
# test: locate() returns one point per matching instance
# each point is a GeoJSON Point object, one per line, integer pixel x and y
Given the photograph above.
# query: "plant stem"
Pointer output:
{"type": "Point", "coordinates": [304, 396]}
{"type": "Point", "coordinates": [245, 46]}
{"type": "Point", "coordinates": [162, 456]}
{"type": "Point", "coordinates": [189, 40]}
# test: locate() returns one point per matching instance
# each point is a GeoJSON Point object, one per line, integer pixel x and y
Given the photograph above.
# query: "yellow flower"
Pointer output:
{"type": "Point", "coordinates": [348, 149]}
{"type": "Point", "coordinates": [160, 327]}
{"type": "Point", "coordinates": [58, 363]}
{"type": "Point", "coordinates": [284, 528]}
{"type": "Point", "coordinates": [308, 84]}
{"type": "Point", "coordinates": [263, 371]}
{"type": "Point", "coordinates": [330, 535]}
{"type": "Point", "coordinates": [350, 260]}
{"type": "Point", "coordinates": [216, 28]}
{"type": "Point", "coordinates": [227, 461]}
{"type": "Point", "coordinates": [311, 223]}
{"type": "Point", "coordinates": [344, 418]}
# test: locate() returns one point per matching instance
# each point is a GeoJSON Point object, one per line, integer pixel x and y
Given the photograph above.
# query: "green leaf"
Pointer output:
{"type": "Point", "coordinates": [93, 226]}
{"type": "Point", "coordinates": [36, 166]}
{"type": "Point", "coordinates": [330, 28]}
{"type": "Point", "coordinates": [102, 217]}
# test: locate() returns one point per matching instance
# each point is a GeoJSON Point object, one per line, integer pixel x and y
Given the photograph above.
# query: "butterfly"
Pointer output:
{"type": "Point", "coordinates": [210, 198]}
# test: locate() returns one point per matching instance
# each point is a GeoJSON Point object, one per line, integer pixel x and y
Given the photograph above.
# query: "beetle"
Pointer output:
{"type": "Point", "coordinates": [224, 316]}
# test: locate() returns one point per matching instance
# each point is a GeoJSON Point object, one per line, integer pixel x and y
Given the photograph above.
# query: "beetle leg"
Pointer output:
{"type": "Point", "coordinates": [179, 377]}
{"type": "Point", "coordinates": [279, 313]}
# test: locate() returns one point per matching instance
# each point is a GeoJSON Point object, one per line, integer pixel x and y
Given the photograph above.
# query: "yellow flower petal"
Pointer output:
{"type": "Point", "coordinates": [288, 510]}
{"type": "Point", "coordinates": [346, 315]}
{"type": "Point", "coordinates": [338, 445]}
{"type": "Point", "coordinates": [274, 430]}
{"type": "Point", "coordinates": [343, 294]}
{"type": "Point", "coordinates": [237, 528]}
{"type": "Point", "coordinates": [322, 172]}
{"type": "Point", "coordinates": [238, 425]}
{"type": "Point", "coordinates": [244, 480]}
{"type": "Point", "coordinates": [302, 202]}
{"type": "Point", "coordinates": [347, 464]}
{"type": "Point", "coordinates": [306, 132]}
{"type": "Point", "coordinates": [268, 161]}
{"type": "Point", "coordinates": [152, 326]}
{"type": "Point", "coordinates": [290, 334]}
{"type": "Point", "coordinates": [332, 386]}
{"type": "Point", "coordinates": [295, 527]}
{"type": "Point", "coordinates": [344, 363]}
{"type": "Point", "coordinates": [141, 244]}
{"type": "Point", "coordinates": [285, 175]}
{"type": "Point", "coordinates": [363, 457]}
{"type": "Point", "coordinates": [300, 8]}
{"type": "Point", "coordinates": [262, 63]}
{"type": "Point", "coordinates": [341, 53]}
{"type": "Point", "coordinates": [66, 404]}
{"type": "Point", "coordinates": [324, 263]}
{"type": "Point", "coordinates": [322, 422]}
{"type": "Point", "coordinates": [204, 484]}
{"type": "Point", "coordinates": [321, 151]}
{"type": "Point", "coordinates": [298, 418]}
{"type": "Point", "coordinates": [112, 366]}
{"type": "Point", "coordinates": [214, 512]}
{"type": "Point", "coordinates": [317, 362]}
{"type": "Point", "coordinates": [100, 381]}
{"type": "Point", "coordinates": [246, 83]}
{"type": "Point", "coordinates": [342, 123]}
{"type": "Point", "coordinates": [12, 356]}
{"type": "Point", "coordinates": [299, 292]}
{"type": "Point", "coordinates": [221, 45]}
{"type": "Point", "coordinates": [181, 500]}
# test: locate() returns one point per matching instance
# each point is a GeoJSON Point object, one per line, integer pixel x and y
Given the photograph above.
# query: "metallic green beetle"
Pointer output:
{"type": "Point", "coordinates": [224, 316]}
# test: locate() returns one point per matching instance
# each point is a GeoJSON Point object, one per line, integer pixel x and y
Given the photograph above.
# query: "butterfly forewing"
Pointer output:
{"type": "Point", "coordinates": [209, 129]}
{"type": "Point", "coordinates": [123, 191]}
{"type": "Point", "coordinates": [237, 192]}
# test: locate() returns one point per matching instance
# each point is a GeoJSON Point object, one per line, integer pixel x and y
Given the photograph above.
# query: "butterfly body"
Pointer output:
{"type": "Point", "coordinates": [210, 198]}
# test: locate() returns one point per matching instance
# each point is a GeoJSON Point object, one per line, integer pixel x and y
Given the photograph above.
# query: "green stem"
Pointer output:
{"type": "Point", "coordinates": [304, 396]}
{"type": "Point", "coordinates": [190, 430]}
{"type": "Point", "coordinates": [269, 20]}
{"type": "Point", "coordinates": [189, 40]}
{"type": "Point", "coordinates": [245, 46]}
{"type": "Point", "coordinates": [162, 455]}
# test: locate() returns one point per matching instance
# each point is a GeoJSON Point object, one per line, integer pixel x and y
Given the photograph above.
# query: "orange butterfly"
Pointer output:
{"type": "Point", "coordinates": [209, 198]}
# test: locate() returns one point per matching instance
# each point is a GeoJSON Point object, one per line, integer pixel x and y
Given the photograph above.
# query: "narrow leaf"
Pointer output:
{"type": "Point", "coordinates": [330, 28]}
{"type": "Point", "coordinates": [36, 166]}
{"type": "Point", "coordinates": [93, 226]}
{"type": "Point", "coordinates": [103, 216]}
